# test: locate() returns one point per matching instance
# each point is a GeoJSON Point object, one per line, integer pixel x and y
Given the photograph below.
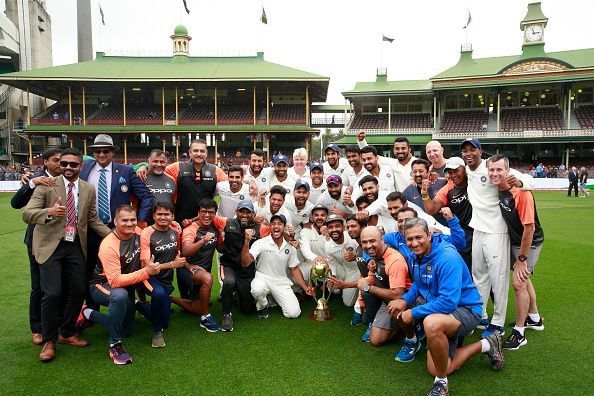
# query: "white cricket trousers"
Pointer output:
{"type": "Point", "coordinates": [349, 296]}
{"type": "Point", "coordinates": [490, 271]}
{"type": "Point", "coordinates": [280, 289]}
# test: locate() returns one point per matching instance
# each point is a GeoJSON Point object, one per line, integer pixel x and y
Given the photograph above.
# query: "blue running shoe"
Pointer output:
{"type": "Point", "coordinates": [493, 329]}
{"type": "Point", "coordinates": [408, 351]}
{"type": "Point", "coordinates": [367, 334]}
{"type": "Point", "coordinates": [357, 319]}
{"type": "Point", "coordinates": [483, 324]}
{"type": "Point", "coordinates": [210, 324]}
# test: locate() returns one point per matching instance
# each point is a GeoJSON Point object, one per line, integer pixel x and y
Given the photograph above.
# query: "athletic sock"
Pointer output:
{"type": "Point", "coordinates": [485, 346]}
{"type": "Point", "coordinates": [441, 379]}
{"type": "Point", "coordinates": [87, 313]}
{"type": "Point", "coordinates": [535, 317]}
{"type": "Point", "coordinates": [519, 330]}
{"type": "Point", "coordinates": [413, 339]}
{"type": "Point", "coordinates": [203, 317]}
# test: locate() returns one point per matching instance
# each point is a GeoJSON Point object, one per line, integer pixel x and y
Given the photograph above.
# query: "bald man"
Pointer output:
{"type": "Point", "coordinates": [434, 151]}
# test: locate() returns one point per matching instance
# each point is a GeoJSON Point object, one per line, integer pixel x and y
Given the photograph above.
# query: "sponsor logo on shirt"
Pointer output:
{"type": "Point", "coordinates": [286, 251]}
{"type": "Point", "coordinates": [134, 253]}
{"type": "Point", "coordinates": [161, 190]}
{"type": "Point", "coordinates": [504, 205]}
{"type": "Point", "coordinates": [457, 199]}
{"type": "Point", "coordinates": [168, 246]}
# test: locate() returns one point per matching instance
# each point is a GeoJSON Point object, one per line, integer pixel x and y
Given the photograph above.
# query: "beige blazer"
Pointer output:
{"type": "Point", "coordinates": [49, 232]}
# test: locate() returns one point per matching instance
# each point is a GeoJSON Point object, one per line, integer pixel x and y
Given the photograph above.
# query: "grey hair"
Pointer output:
{"type": "Point", "coordinates": [413, 222]}
{"type": "Point", "coordinates": [300, 152]}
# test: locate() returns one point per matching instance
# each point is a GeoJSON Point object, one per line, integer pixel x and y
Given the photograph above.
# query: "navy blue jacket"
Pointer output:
{"type": "Point", "coordinates": [21, 199]}
{"type": "Point", "coordinates": [124, 184]}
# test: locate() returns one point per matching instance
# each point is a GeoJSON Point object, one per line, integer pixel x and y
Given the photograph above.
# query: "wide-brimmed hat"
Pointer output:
{"type": "Point", "coordinates": [103, 140]}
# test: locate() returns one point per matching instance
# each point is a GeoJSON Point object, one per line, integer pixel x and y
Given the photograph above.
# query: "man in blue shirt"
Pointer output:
{"type": "Point", "coordinates": [444, 298]}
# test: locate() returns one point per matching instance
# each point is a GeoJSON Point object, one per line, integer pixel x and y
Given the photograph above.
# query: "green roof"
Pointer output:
{"type": "Point", "coordinates": [180, 30]}
{"type": "Point", "coordinates": [328, 108]}
{"type": "Point", "coordinates": [534, 13]}
{"type": "Point", "coordinates": [382, 86]}
{"type": "Point", "coordinates": [133, 68]}
{"type": "Point", "coordinates": [385, 139]}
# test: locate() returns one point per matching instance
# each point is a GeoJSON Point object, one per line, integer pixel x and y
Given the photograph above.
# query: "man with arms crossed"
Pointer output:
{"type": "Point", "coordinates": [526, 236]}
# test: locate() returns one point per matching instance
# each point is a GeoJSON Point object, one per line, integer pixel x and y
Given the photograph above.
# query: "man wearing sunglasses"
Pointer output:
{"type": "Point", "coordinates": [62, 213]}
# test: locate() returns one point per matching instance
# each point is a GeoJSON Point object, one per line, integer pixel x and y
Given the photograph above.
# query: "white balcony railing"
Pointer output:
{"type": "Point", "coordinates": [393, 131]}
{"type": "Point", "coordinates": [515, 134]}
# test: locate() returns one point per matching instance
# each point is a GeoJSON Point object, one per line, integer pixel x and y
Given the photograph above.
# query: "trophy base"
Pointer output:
{"type": "Point", "coordinates": [321, 315]}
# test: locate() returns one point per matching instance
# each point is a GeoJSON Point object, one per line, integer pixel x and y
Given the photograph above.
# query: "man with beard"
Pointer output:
{"type": "Point", "coordinates": [369, 187]}
{"type": "Point", "coordinates": [344, 273]}
{"type": "Point", "coordinates": [274, 257]}
{"type": "Point", "coordinates": [422, 189]}
{"type": "Point", "coordinates": [160, 184]}
{"type": "Point", "coordinates": [231, 191]}
{"type": "Point", "coordinates": [337, 199]}
{"type": "Point", "coordinates": [279, 176]}
{"type": "Point", "coordinates": [318, 187]}
{"type": "Point", "coordinates": [312, 240]}
{"type": "Point", "coordinates": [60, 248]}
{"type": "Point", "coordinates": [335, 164]}
{"type": "Point", "coordinates": [51, 170]}
{"type": "Point", "coordinates": [490, 241]}
{"type": "Point", "coordinates": [355, 171]}
{"type": "Point", "coordinates": [254, 171]}
{"type": "Point", "coordinates": [383, 174]}
{"type": "Point", "coordinates": [401, 165]}
{"type": "Point", "coordinates": [354, 228]}
{"type": "Point", "coordinates": [387, 281]}
{"type": "Point", "coordinates": [450, 307]}
{"type": "Point", "coordinates": [275, 205]}
{"type": "Point", "coordinates": [199, 241]}
{"type": "Point", "coordinates": [454, 195]}
{"type": "Point", "coordinates": [237, 278]}
{"type": "Point", "coordinates": [434, 151]}
{"type": "Point", "coordinates": [298, 206]}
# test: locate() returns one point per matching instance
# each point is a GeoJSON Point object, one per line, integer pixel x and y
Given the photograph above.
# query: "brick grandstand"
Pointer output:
{"type": "Point", "coordinates": [464, 121]}
{"type": "Point", "coordinates": [585, 115]}
{"type": "Point", "coordinates": [532, 118]}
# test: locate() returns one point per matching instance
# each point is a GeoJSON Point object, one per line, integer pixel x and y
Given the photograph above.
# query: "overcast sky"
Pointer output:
{"type": "Point", "coordinates": [337, 39]}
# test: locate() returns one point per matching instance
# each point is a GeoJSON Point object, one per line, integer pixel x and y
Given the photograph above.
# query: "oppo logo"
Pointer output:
{"type": "Point", "coordinates": [459, 200]}
{"type": "Point", "coordinates": [168, 246]}
{"type": "Point", "coordinates": [161, 191]}
{"type": "Point", "coordinates": [129, 259]}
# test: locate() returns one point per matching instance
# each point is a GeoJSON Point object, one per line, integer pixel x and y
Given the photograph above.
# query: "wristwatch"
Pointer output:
{"type": "Point", "coordinates": [366, 288]}
{"type": "Point", "coordinates": [522, 258]}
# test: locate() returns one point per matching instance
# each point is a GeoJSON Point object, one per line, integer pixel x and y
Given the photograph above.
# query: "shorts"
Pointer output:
{"type": "Point", "coordinates": [582, 185]}
{"type": "Point", "coordinates": [468, 321]}
{"type": "Point", "coordinates": [188, 289]}
{"type": "Point", "coordinates": [532, 256]}
{"type": "Point", "coordinates": [383, 319]}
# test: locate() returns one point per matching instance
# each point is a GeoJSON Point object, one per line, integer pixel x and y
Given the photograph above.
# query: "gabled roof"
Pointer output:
{"type": "Point", "coordinates": [382, 86]}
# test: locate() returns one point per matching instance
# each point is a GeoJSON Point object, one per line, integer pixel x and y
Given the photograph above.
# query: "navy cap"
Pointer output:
{"type": "Point", "coordinates": [333, 147]}
{"type": "Point", "coordinates": [281, 158]}
{"type": "Point", "coordinates": [246, 204]}
{"type": "Point", "coordinates": [333, 179]}
{"type": "Point", "coordinates": [319, 207]}
{"type": "Point", "coordinates": [301, 183]}
{"type": "Point", "coordinates": [473, 141]}
{"type": "Point", "coordinates": [316, 165]}
{"type": "Point", "coordinates": [280, 217]}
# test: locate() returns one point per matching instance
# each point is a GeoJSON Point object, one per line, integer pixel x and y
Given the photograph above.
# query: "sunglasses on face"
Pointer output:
{"type": "Point", "coordinates": [65, 164]}
{"type": "Point", "coordinates": [104, 151]}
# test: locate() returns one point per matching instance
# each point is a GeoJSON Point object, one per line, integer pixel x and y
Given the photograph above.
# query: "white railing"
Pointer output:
{"type": "Point", "coordinates": [393, 131]}
{"type": "Point", "coordinates": [515, 134]}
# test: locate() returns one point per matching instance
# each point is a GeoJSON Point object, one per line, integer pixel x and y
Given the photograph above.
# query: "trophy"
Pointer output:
{"type": "Point", "coordinates": [320, 273]}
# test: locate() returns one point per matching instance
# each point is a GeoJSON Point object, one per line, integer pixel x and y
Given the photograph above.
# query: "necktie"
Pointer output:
{"type": "Point", "coordinates": [70, 208]}
{"type": "Point", "coordinates": [102, 194]}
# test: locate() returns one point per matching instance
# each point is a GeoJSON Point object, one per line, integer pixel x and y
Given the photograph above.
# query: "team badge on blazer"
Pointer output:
{"type": "Point", "coordinates": [124, 188]}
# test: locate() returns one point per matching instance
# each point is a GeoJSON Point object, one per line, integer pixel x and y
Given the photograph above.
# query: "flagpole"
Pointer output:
{"type": "Point", "coordinates": [382, 52]}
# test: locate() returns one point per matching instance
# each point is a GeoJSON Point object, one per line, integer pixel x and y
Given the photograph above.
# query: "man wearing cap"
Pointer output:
{"type": "Point", "coordinates": [345, 273]}
{"type": "Point", "coordinates": [236, 278]}
{"type": "Point", "coordinates": [337, 199]}
{"type": "Point", "coordinates": [298, 206]}
{"type": "Point", "coordinates": [335, 164]}
{"type": "Point", "coordinates": [318, 186]}
{"type": "Point", "coordinates": [490, 241]}
{"type": "Point", "coordinates": [401, 165]}
{"type": "Point", "coordinates": [274, 256]}
{"type": "Point", "coordinates": [312, 240]}
{"type": "Point", "coordinates": [279, 176]}
{"type": "Point", "coordinates": [434, 151]}
{"type": "Point", "coordinates": [115, 184]}
{"type": "Point", "coordinates": [454, 195]}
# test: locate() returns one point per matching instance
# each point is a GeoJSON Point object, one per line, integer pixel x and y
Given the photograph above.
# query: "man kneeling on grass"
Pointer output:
{"type": "Point", "coordinates": [451, 309]}
{"type": "Point", "coordinates": [273, 255]}
{"type": "Point", "coordinates": [113, 283]}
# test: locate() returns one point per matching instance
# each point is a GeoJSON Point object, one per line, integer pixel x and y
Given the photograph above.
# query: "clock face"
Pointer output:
{"type": "Point", "coordinates": [533, 33]}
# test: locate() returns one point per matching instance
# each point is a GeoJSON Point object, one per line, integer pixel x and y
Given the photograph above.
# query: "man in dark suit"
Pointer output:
{"type": "Point", "coordinates": [62, 214]}
{"type": "Point", "coordinates": [51, 169]}
{"type": "Point", "coordinates": [573, 177]}
{"type": "Point", "coordinates": [114, 185]}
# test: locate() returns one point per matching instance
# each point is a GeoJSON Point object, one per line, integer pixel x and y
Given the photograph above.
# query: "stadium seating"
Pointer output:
{"type": "Point", "coordinates": [585, 115]}
{"type": "Point", "coordinates": [198, 115]}
{"type": "Point", "coordinates": [287, 114]}
{"type": "Point", "coordinates": [61, 110]}
{"type": "Point", "coordinates": [531, 118]}
{"type": "Point", "coordinates": [232, 114]}
{"type": "Point", "coordinates": [413, 120]}
{"type": "Point", "coordinates": [370, 121]}
{"type": "Point", "coordinates": [464, 121]}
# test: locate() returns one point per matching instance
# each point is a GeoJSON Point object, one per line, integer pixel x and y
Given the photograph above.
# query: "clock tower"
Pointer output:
{"type": "Point", "coordinates": [533, 26]}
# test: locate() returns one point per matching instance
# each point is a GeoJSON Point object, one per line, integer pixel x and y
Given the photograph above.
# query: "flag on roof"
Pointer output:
{"type": "Point", "coordinates": [263, 18]}
{"type": "Point", "coordinates": [386, 38]}
{"type": "Point", "coordinates": [186, 7]}
{"type": "Point", "coordinates": [468, 21]}
{"type": "Point", "coordinates": [102, 15]}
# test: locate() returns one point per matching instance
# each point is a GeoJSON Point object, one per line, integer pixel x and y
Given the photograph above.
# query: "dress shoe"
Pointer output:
{"type": "Point", "coordinates": [36, 338]}
{"type": "Point", "coordinates": [74, 340]}
{"type": "Point", "coordinates": [48, 352]}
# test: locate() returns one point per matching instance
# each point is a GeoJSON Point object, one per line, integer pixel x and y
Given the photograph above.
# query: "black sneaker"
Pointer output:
{"type": "Point", "coordinates": [227, 322]}
{"type": "Point", "coordinates": [514, 341]}
{"type": "Point", "coordinates": [494, 353]}
{"type": "Point", "coordinates": [263, 313]}
{"type": "Point", "coordinates": [439, 388]}
{"type": "Point", "coordinates": [530, 324]}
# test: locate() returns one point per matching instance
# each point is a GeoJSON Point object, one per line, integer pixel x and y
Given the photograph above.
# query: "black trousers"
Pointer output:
{"type": "Point", "coordinates": [572, 185]}
{"type": "Point", "coordinates": [35, 295]}
{"type": "Point", "coordinates": [372, 305]}
{"type": "Point", "coordinates": [234, 282]}
{"type": "Point", "coordinates": [64, 273]}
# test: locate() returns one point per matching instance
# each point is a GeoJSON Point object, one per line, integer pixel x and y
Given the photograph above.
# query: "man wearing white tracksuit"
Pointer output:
{"type": "Point", "coordinates": [490, 242]}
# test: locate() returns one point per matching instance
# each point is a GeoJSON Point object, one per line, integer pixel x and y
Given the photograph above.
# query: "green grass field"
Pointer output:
{"type": "Point", "coordinates": [282, 356]}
